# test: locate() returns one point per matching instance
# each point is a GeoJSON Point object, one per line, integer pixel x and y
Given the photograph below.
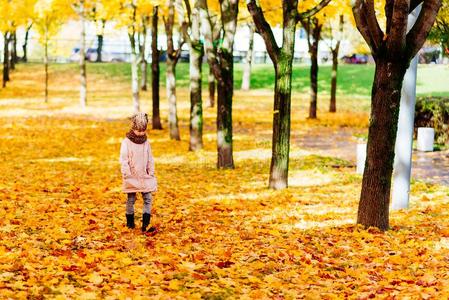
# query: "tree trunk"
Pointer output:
{"type": "Point", "coordinates": [281, 123]}
{"type": "Point", "coordinates": [99, 48]}
{"type": "Point", "coordinates": [313, 85]}
{"type": "Point", "coordinates": [100, 38]}
{"type": "Point", "coordinates": [335, 51]}
{"type": "Point", "coordinates": [196, 105]}
{"type": "Point", "coordinates": [172, 59]}
{"type": "Point", "coordinates": [211, 80]}
{"type": "Point", "coordinates": [144, 71]}
{"type": "Point", "coordinates": [386, 94]}
{"type": "Point", "coordinates": [333, 103]}
{"type": "Point", "coordinates": [83, 80]}
{"type": "Point", "coordinates": [134, 74]}
{"type": "Point", "coordinates": [143, 61]}
{"type": "Point", "coordinates": [13, 58]}
{"type": "Point", "coordinates": [316, 33]}
{"type": "Point", "coordinates": [225, 89]}
{"type": "Point", "coordinates": [246, 80]}
{"type": "Point", "coordinates": [171, 95]}
{"type": "Point", "coordinates": [155, 71]}
{"type": "Point", "coordinates": [5, 59]}
{"type": "Point", "coordinates": [25, 44]}
{"type": "Point", "coordinates": [46, 65]}
{"type": "Point", "coordinates": [222, 64]}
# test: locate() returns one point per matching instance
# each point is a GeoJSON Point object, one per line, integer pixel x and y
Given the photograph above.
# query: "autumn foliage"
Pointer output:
{"type": "Point", "coordinates": [221, 234]}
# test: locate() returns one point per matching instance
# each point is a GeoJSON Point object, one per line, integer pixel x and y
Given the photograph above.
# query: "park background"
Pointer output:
{"type": "Point", "coordinates": [221, 233]}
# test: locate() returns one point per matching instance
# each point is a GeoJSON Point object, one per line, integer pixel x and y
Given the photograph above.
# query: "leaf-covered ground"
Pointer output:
{"type": "Point", "coordinates": [222, 234]}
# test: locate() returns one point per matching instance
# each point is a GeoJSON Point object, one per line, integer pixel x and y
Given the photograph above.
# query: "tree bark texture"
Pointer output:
{"type": "Point", "coordinates": [211, 84]}
{"type": "Point", "coordinates": [25, 44]}
{"type": "Point", "coordinates": [82, 62]}
{"type": "Point", "coordinates": [335, 52]}
{"type": "Point", "coordinates": [155, 71]}
{"type": "Point", "coordinates": [392, 52]}
{"type": "Point", "coordinates": [6, 38]}
{"type": "Point", "coordinates": [313, 29]}
{"type": "Point", "coordinates": [375, 196]}
{"type": "Point", "coordinates": [14, 57]}
{"type": "Point", "coordinates": [246, 79]}
{"type": "Point", "coordinates": [282, 59]}
{"type": "Point", "coordinates": [46, 65]}
{"type": "Point", "coordinates": [143, 60]}
{"type": "Point", "coordinates": [196, 105]}
{"type": "Point", "coordinates": [172, 60]}
{"type": "Point", "coordinates": [100, 41]}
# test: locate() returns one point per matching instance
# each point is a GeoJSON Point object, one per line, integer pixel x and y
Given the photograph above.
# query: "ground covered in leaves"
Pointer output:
{"type": "Point", "coordinates": [221, 234]}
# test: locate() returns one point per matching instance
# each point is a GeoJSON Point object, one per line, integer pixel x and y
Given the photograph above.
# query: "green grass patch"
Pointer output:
{"type": "Point", "coordinates": [353, 80]}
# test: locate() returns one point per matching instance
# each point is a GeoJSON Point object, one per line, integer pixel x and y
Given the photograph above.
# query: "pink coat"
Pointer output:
{"type": "Point", "coordinates": [137, 167]}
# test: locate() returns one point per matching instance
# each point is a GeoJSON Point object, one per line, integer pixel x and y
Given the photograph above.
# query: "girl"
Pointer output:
{"type": "Point", "coordinates": [137, 167]}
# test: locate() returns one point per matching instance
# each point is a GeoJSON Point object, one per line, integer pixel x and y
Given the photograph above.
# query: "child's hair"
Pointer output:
{"type": "Point", "coordinates": [139, 121]}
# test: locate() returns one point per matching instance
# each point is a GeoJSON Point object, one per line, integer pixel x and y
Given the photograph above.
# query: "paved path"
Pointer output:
{"type": "Point", "coordinates": [427, 166]}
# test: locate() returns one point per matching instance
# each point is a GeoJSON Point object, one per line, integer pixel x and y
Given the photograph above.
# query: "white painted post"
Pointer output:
{"type": "Point", "coordinates": [404, 137]}
{"type": "Point", "coordinates": [425, 139]}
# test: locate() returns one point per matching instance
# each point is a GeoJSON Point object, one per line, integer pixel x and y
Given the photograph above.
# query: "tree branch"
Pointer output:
{"type": "Point", "coordinates": [189, 11]}
{"type": "Point", "coordinates": [396, 40]}
{"type": "Point", "coordinates": [388, 15]}
{"type": "Point", "coordinates": [306, 25]}
{"type": "Point", "coordinates": [358, 11]}
{"type": "Point", "coordinates": [418, 34]}
{"type": "Point", "coordinates": [313, 11]}
{"type": "Point", "coordinates": [264, 29]}
{"type": "Point", "coordinates": [371, 19]}
{"type": "Point", "coordinates": [209, 48]}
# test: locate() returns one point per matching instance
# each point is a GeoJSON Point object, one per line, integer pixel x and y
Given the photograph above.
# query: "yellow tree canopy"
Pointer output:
{"type": "Point", "coordinates": [131, 13]}
{"type": "Point", "coordinates": [49, 15]}
{"type": "Point", "coordinates": [14, 14]}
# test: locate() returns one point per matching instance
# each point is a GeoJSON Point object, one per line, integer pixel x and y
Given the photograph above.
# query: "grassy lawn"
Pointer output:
{"type": "Point", "coordinates": [353, 80]}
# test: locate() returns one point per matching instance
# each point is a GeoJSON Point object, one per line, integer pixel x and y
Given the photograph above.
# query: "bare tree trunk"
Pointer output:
{"type": "Point", "coordinates": [13, 57]}
{"type": "Point", "coordinates": [225, 86]}
{"type": "Point", "coordinates": [221, 62]}
{"type": "Point", "coordinates": [134, 74]}
{"type": "Point", "coordinates": [246, 80]}
{"type": "Point", "coordinates": [392, 52]}
{"type": "Point", "coordinates": [25, 44]}
{"type": "Point", "coordinates": [172, 60]}
{"type": "Point", "coordinates": [171, 95]}
{"type": "Point", "coordinates": [313, 84]}
{"type": "Point", "coordinates": [155, 71]}
{"type": "Point", "coordinates": [134, 60]}
{"type": "Point", "coordinates": [335, 51]}
{"type": "Point", "coordinates": [46, 65]}
{"type": "Point", "coordinates": [375, 196]}
{"type": "Point", "coordinates": [100, 38]}
{"type": "Point", "coordinates": [6, 37]}
{"type": "Point", "coordinates": [313, 29]}
{"type": "Point", "coordinates": [212, 30]}
{"type": "Point", "coordinates": [282, 58]}
{"type": "Point", "coordinates": [281, 123]}
{"type": "Point", "coordinates": [83, 79]}
{"type": "Point", "coordinates": [211, 80]}
{"type": "Point", "coordinates": [143, 60]}
{"type": "Point", "coordinates": [333, 102]}
{"type": "Point", "coordinates": [196, 106]}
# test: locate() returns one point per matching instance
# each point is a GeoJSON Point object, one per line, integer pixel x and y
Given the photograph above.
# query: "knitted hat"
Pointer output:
{"type": "Point", "coordinates": [139, 121]}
